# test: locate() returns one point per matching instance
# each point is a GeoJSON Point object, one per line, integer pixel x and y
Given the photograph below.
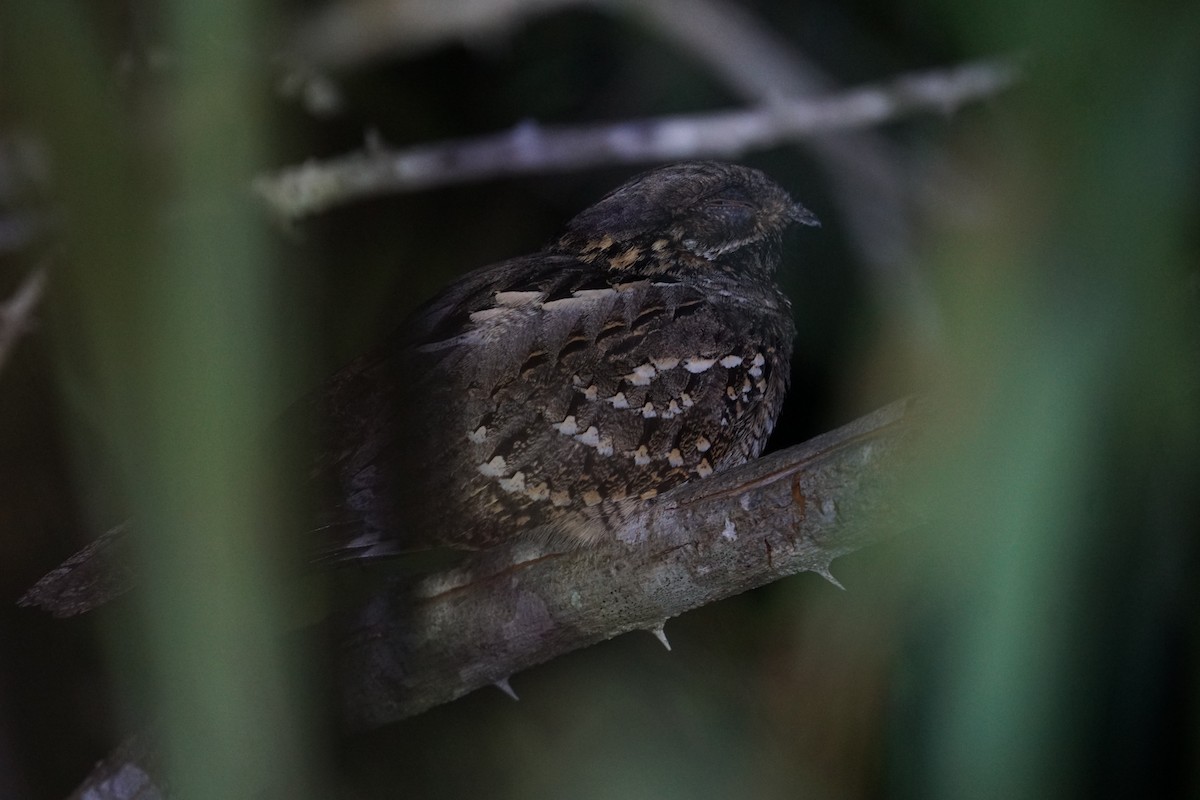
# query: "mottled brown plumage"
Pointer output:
{"type": "Point", "coordinates": [549, 395]}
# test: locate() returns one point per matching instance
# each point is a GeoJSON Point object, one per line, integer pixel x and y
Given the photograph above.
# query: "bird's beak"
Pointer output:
{"type": "Point", "coordinates": [802, 215]}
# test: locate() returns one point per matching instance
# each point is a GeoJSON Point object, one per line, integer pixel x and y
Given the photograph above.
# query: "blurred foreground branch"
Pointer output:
{"type": "Point", "coordinates": [530, 148]}
{"type": "Point", "coordinates": [868, 173]}
{"type": "Point", "coordinates": [408, 648]}
{"type": "Point", "coordinates": [349, 33]}
{"type": "Point", "coordinates": [16, 314]}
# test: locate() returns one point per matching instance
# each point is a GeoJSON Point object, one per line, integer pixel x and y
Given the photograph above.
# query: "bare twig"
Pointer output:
{"type": "Point", "coordinates": [16, 315]}
{"type": "Point", "coordinates": [529, 148]}
{"type": "Point", "coordinates": [867, 176]}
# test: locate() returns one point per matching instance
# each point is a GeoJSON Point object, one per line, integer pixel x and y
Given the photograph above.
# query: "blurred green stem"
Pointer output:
{"type": "Point", "coordinates": [1069, 346]}
{"type": "Point", "coordinates": [167, 289]}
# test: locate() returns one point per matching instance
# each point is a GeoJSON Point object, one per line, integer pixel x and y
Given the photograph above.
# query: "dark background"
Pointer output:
{"type": "Point", "coordinates": [1039, 638]}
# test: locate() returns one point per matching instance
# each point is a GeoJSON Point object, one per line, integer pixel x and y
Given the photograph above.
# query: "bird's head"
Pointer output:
{"type": "Point", "coordinates": [707, 209]}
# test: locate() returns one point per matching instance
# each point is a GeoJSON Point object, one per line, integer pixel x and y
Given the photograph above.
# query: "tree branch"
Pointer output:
{"type": "Point", "coordinates": [866, 172]}
{"type": "Point", "coordinates": [410, 648]}
{"type": "Point", "coordinates": [529, 148]}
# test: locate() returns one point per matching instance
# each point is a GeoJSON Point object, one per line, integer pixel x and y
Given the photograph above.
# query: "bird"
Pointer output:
{"type": "Point", "coordinates": [551, 396]}
{"type": "Point", "coordinates": [548, 398]}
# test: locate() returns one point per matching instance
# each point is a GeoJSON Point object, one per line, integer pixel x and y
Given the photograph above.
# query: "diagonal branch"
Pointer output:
{"type": "Point", "coordinates": [406, 649]}
{"type": "Point", "coordinates": [530, 148]}
{"type": "Point", "coordinates": [410, 648]}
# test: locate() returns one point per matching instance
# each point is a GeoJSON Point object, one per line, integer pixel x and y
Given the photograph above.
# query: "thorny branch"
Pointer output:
{"type": "Point", "coordinates": [509, 610]}
{"type": "Point", "coordinates": [529, 148]}
{"type": "Point", "coordinates": [406, 649]}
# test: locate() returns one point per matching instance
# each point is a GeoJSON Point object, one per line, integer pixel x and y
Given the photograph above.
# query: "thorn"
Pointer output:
{"type": "Point", "coordinates": [661, 635]}
{"type": "Point", "coordinates": [827, 575]}
{"type": "Point", "coordinates": [504, 686]}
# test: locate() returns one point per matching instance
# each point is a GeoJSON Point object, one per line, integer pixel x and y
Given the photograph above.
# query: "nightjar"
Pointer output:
{"type": "Point", "coordinates": [550, 395]}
